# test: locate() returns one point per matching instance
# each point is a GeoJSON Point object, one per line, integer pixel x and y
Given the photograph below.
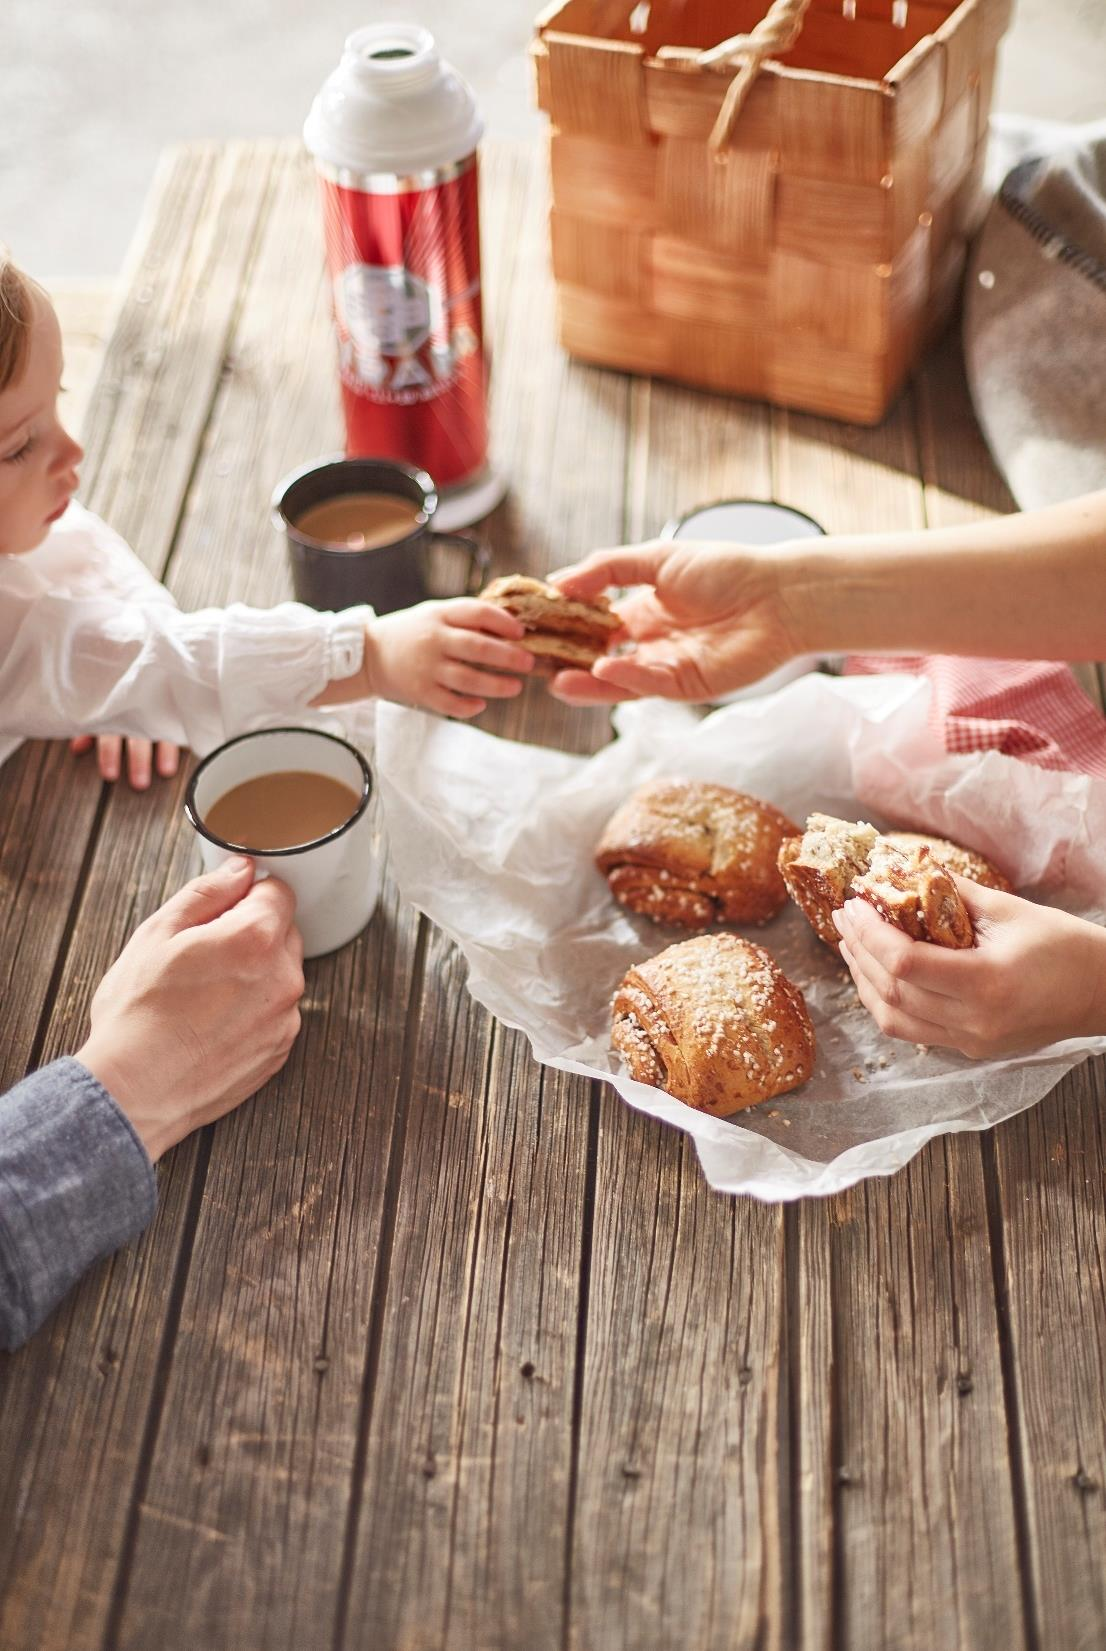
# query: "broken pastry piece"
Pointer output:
{"type": "Point", "coordinates": [692, 854]}
{"type": "Point", "coordinates": [561, 634]}
{"type": "Point", "coordinates": [818, 868]}
{"type": "Point", "coordinates": [715, 1023]}
{"type": "Point", "coordinates": [965, 862]}
{"type": "Point", "coordinates": [904, 880]}
{"type": "Point", "coordinates": [915, 892]}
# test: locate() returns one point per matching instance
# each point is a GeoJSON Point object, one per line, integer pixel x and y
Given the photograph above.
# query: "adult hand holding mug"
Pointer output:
{"type": "Point", "coordinates": [199, 1010]}
{"type": "Point", "coordinates": [201, 1007]}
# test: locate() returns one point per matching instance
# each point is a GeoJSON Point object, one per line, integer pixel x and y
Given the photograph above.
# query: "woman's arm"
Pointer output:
{"type": "Point", "coordinates": [1031, 586]}
{"type": "Point", "coordinates": [714, 617]}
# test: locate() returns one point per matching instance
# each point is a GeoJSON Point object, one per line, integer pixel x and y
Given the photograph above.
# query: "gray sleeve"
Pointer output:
{"type": "Point", "coordinates": [75, 1184]}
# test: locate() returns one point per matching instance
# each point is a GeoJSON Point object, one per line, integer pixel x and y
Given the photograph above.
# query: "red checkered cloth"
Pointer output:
{"type": "Point", "coordinates": [1032, 709]}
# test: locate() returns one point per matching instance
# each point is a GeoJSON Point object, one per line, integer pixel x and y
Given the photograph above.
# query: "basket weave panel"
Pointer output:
{"type": "Point", "coordinates": [808, 269]}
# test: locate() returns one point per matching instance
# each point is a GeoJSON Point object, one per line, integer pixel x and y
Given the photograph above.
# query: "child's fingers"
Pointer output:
{"type": "Point", "coordinates": [477, 648]}
{"type": "Point", "coordinates": [467, 613]}
{"type": "Point", "coordinates": [140, 757]}
{"type": "Point", "coordinates": [894, 1023]}
{"type": "Point", "coordinates": [914, 963]}
{"type": "Point", "coordinates": [463, 679]}
{"type": "Point", "coordinates": [109, 754]}
{"type": "Point", "coordinates": [167, 759]}
{"type": "Point", "coordinates": [455, 705]}
{"type": "Point", "coordinates": [78, 746]}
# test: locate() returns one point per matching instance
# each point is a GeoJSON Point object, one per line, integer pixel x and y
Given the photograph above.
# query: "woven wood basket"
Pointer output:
{"type": "Point", "coordinates": [795, 237]}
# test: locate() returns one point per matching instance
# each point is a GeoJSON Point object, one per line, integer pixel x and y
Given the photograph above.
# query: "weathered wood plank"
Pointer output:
{"type": "Point", "coordinates": [259, 1425]}
{"type": "Point", "coordinates": [684, 1450]}
{"type": "Point", "coordinates": [1049, 1168]}
{"type": "Point", "coordinates": [239, 1532]}
{"type": "Point", "coordinates": [48, 808]}
{"type": "Point", "coordinates": [959, 477]}
{"type": "Point", "coordinates": [906, 1523]}
{"type": "Point", "coordinates": [683, 1413]}
{"type": "Point", "coordinates": [161, 368]}
{"type": "Point", "coordinates": [91, 1374]}
{"type": "Point", "coordinates": [86, 312]}
{"type": "Point", "coordinates": [464, 1498]}
{"type": "Point", "coordinates": [1045, 1175]}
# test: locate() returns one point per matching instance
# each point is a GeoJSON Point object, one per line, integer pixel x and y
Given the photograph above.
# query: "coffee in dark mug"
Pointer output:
{"type": "Point", "coordinates": [361, 530]}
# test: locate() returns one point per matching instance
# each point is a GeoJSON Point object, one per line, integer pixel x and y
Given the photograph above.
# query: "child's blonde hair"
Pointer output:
{"type": "Point", "coordinates": [16, 291]}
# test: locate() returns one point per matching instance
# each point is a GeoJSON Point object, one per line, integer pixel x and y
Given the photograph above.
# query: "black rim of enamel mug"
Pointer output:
{"type": "Point", "coordinates": [193, 812]}
{"type": "Point", "coordinates": [671, 529]}
{"type": "Point", "coordinates": [369, 465]}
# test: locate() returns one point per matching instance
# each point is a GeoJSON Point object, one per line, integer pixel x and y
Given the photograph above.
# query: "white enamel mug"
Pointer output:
{"type": "Point", "coordinates": [336, 878]}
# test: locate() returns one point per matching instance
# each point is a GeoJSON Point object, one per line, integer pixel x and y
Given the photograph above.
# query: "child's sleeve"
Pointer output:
{"type": "Point", "coordinates": [98, 664]}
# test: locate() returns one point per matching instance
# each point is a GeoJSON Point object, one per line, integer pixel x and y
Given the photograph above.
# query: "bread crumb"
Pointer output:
{"type": "Point", "coordinates": [860, 1075]}
{"type": "Point", "coordinates": [922, 1048]}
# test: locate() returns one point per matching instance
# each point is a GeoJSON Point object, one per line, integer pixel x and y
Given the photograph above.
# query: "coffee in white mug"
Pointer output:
{"type": "Point", "coordinates": [281, 810]}
{"type": "Point", "coordinates": [260, 792]}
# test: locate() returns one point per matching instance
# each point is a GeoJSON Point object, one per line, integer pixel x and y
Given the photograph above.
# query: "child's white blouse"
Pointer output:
{"type": "Point", "coordinates": [90, 643]}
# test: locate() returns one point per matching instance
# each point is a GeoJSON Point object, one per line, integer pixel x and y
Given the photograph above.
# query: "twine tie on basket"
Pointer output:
{"type": "Point", "coordinates": [776, 33]}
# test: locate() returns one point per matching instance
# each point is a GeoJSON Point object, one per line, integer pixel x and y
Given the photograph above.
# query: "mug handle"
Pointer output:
{"type": "Point", "coordinates": [480, 560]}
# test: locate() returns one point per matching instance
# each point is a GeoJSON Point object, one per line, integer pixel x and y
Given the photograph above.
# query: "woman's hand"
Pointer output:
{"type": "Point", "coordinates": [715, 619]}
{"type": "Point", "coordinates": [1033, 977]}
{"type": "Point", "coordinates": [140, 757]}
{"type": "Point", "coordinates": [446, 656]}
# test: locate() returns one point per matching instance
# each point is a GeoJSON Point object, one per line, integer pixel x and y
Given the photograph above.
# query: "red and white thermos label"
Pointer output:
{"type": "Point", "coordinates": [404, 265]}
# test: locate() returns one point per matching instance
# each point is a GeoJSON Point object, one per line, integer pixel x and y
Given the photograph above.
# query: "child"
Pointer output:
{"type": "Point", "coordinates": [712, 617]}
{"type": "Point", "coordinates": [90, 641]}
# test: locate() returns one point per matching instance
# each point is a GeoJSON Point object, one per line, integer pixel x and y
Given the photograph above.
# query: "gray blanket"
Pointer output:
{"type": "Point", "coordinates": [1035, 315]}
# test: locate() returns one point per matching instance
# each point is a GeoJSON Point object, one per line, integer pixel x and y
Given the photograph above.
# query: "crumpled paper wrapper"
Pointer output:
{"type": "Point", "coordinates": [493, 840]}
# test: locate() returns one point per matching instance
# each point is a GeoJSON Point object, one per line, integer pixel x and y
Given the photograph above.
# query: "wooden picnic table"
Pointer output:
{"type": "Point", "coordinates": [430, 1348]}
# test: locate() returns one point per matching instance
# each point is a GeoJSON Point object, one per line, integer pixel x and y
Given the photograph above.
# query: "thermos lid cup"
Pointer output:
{"type": "Point", "coordinates": [392, 106]}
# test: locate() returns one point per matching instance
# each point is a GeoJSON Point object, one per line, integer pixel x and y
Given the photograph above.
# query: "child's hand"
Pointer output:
{"type": "Point", "coordinates": [442, 656]}
{"type": "Point", "coordinates": [1033, 977]}
{"type": "Point", "coordinates": [140, 758]}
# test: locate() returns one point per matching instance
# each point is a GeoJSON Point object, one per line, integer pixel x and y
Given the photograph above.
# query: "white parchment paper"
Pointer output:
{"type": "Point", "coordinates": [493, 840]}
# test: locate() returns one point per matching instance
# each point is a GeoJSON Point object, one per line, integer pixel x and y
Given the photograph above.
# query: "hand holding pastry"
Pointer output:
{"type": "Point", "coordinates": [1034, 976]}
{"type": "Point", "coordinates": [714, 619]}
{"type": "Point", "coordinates": [562, 634]}
{"type": "Point", "coordinates": [906, 876]}
{"type": "Point", "coordinates": [446, 656]}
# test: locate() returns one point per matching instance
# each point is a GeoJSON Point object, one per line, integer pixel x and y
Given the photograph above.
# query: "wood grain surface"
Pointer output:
{"type": "Point", "coordinates": [430, 1348]}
